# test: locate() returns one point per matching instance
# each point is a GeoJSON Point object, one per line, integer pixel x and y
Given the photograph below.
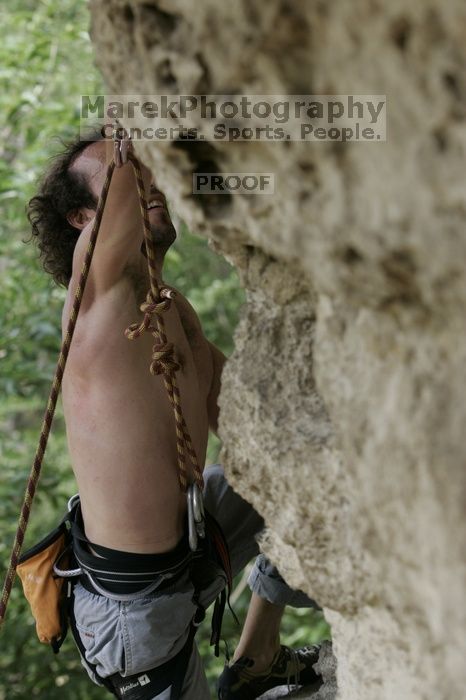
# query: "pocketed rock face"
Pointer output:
{"type": "Point", "coordinates": [342, 407]}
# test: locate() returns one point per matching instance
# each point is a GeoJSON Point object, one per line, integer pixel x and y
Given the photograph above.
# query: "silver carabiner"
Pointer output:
{"type": "Point", "coordinates": [198, 507]}
{"type": "Point", "coordinates": [198, 503]}
{"type": "Point", "coordinates": [192, 531]}
{"type": "Point", "coordinates": [196, 521]}
{"type": "Point", "coordinates": [72, 502]}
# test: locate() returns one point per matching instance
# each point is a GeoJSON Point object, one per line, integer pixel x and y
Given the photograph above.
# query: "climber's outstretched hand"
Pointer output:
{"type": "Point", "coordinates": [122, 145]}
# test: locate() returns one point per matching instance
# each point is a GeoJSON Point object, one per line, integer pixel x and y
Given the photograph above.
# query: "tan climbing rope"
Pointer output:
{"type": "Point", "coordinates": [163, 362]}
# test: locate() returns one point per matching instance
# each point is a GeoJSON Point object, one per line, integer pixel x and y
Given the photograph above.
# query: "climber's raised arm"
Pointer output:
{"type": "Point", "coordinates": [121, 231]}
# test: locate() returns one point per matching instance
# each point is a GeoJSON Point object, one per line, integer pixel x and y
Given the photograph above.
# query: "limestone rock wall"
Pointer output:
{"type": "Point", "coordinates": [342, 408]}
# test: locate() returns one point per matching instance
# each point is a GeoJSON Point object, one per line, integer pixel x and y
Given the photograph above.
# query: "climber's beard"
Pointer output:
{"type": "Point", "coordinates": [161, 227]}
{"type": "Point", "coordinates": [162, 230]}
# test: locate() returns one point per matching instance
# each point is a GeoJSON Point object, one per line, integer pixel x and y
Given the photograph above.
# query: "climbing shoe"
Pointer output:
{"type": "Point", "coordinates": [291, 667]}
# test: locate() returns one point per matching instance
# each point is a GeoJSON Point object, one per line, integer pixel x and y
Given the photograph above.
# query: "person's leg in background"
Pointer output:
{"type": "Point", "coordinates": [259, 650]}
{"type": "Point", "coordinates": [260, 638]}
{"type": "Point", "coordinates": [260, 662]}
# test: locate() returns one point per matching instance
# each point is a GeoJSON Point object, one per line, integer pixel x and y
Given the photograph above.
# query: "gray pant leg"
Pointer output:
{"type": "Point", "coordinates": [241, 524]}
{"type": "Point", "coordinates": [195, 685]}
{"type": "Point", "coordinates": [266, 582]}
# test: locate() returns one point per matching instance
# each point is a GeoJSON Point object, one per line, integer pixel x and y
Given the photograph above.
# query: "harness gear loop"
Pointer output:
{"type": "Point", "coordinates": [162, 363]}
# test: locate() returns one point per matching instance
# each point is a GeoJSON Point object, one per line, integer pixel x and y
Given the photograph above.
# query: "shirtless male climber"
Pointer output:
{"type": "Point", "coordinates": [134, 602]}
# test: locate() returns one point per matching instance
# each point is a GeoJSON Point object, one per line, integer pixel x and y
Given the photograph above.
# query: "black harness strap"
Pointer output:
{"type": "Point", "coordinates": [126, 572]}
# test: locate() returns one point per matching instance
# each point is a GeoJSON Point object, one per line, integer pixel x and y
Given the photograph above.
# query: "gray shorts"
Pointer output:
{"type": "Point", "coordinates": [132, 634]}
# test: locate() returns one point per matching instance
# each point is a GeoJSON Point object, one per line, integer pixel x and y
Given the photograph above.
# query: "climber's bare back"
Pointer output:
{"type": "Point", "coordinates": [119, 420]}
{"type": "Point", "coordinates": [120, 423]}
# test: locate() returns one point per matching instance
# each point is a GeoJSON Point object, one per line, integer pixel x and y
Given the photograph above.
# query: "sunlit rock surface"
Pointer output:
{"type": "Point", "coordinates": [343, 411]}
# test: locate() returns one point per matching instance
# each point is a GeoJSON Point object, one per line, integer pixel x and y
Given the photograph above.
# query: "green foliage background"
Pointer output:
{"type": "Point", "coordinates": [46, 63]}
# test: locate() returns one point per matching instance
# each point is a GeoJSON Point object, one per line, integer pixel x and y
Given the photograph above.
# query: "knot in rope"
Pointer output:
{"type": "Point", "coordinates": [156, 306]}
{"type": "Point", "coordinates": [152, 305]}
{"type": "Point", "coordinates": [163, 359]}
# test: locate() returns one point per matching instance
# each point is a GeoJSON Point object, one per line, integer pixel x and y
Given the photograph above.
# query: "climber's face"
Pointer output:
{"type": "Point", "coordinates": [91, 164]}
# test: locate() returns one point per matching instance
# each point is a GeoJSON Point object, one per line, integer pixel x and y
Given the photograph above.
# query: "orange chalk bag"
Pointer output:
{"type": "Point", "coordinates": [45, 590]}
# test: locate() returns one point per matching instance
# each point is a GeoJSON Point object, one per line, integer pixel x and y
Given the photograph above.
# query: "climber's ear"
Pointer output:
{"type": "Point", "coordinates": [79, 218]}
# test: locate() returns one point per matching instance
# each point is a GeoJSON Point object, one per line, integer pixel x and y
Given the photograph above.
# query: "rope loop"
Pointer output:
{"type": "Point", "coordinates": [135, 330]}
{"type": "Point", "coordinates": [153, 305]}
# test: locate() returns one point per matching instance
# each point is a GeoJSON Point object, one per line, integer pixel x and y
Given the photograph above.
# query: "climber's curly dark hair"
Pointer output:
{"type": "Point", "coordinates": [60, 191]}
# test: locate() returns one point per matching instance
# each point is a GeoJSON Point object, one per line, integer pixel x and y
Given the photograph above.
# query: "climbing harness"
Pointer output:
{"type": "Point", "coordinates": [158, 300]}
